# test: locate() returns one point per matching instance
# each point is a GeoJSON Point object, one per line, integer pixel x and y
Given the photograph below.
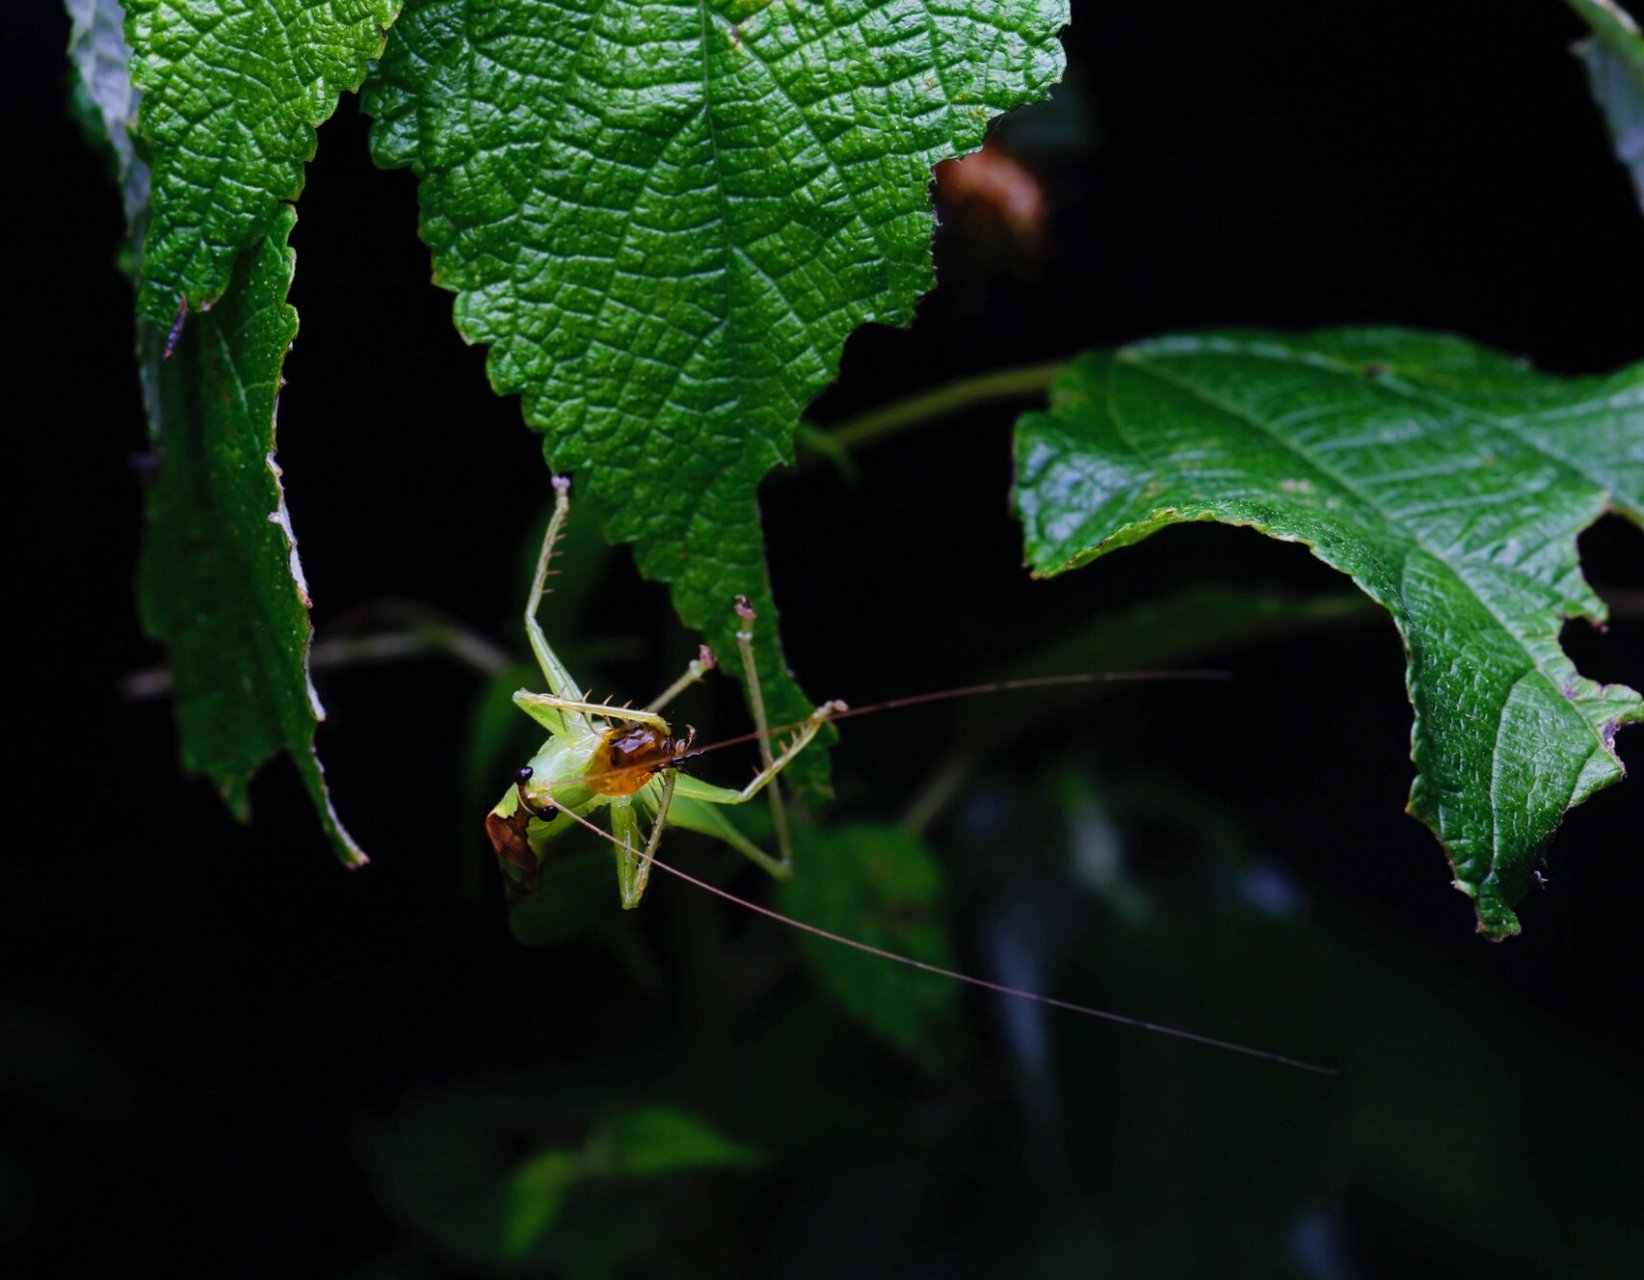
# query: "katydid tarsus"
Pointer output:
{"type": "Point", "coordinates": [627, 761]}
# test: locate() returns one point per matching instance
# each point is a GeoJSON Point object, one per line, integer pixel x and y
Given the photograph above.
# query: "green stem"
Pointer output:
{"type": "Point", "coordinates": [941, 402]}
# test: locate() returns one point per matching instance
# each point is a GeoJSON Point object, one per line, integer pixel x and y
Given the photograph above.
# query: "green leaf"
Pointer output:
{"type": "Point", "coordinates": [102, 58]}
{"type": "Point", "coordinates": [219, 580]}
{"type": "Point", "coordinates": [1449, 482]}
{"type": "Point", "coordinates": [665, 219]}
{"type": "Point", "coordinates": [1614, 58]}
{"type": "Point", "coordinates": [881, 886]}
{"type": "Point", "coordinates": [233, 91]}
{"type": "Point", "coordinates": [648, 1142]}
{"type": "Point", "coordinates": [534, 1196]}
{"type": "Point", "coordinates": [555, 1174]}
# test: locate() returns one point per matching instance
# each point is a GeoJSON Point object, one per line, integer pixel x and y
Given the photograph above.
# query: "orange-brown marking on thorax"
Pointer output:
{"type": "Point", "coordinates": [628, 757]}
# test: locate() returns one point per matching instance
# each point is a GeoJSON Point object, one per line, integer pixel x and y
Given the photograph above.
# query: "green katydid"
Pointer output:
{"type": "Point", "coordinates": [602, 756]}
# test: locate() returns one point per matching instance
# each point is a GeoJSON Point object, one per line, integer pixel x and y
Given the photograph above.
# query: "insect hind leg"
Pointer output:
{"type": "Point", "coordinates": [541, 706]}
{"type": "Point", "coordinates": [553, 670]}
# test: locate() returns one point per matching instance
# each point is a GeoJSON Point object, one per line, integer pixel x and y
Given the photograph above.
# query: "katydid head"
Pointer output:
{"type": "Point", "coordinates": [543, 812]}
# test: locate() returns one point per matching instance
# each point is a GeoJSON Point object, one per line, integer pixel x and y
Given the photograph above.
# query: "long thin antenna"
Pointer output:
{"type": "Point", "coordinates": [972, 690]}
{"type": "Point", "coordinates": [998, 988]}
{"type": "Point", "coordinates": [842, 711]}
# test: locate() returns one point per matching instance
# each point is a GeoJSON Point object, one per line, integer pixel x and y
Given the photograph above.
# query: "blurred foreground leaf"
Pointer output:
{"type": "Point", "coordinates": [1450, 483]}
{"type": "Point", "coordinates": [1614, 58]}
{"type": "Point", "coordinates": [647, 1142]}
{"type": "Point", "coordinates": [102, 62]}
{"type": "Point", "coordinates": [643, 1142]}
{"type": "Point", "coordinates": [496, 1176]}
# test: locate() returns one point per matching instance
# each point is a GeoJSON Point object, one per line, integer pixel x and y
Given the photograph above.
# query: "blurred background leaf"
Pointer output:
{"type": "Point", "coordinates": [881, 886]}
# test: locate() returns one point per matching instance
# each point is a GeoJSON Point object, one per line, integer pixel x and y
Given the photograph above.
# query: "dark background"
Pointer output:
{"type": "Point", "coordinates": [203, 1022]}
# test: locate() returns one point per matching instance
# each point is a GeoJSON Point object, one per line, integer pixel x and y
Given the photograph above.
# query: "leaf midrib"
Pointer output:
{"type": "Point", "coordinates": [1142, 364]}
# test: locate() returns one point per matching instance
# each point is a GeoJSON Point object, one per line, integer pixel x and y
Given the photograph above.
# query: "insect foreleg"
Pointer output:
{"type": "Point", "coordinates": [705, 818]}
{"type": "Point", "coordinates": [694, 809]}
{"type": "Point", "coordinates": [642, 873]}
{"type": "Point", "coordinates": [796, 744]}
{"type": "Point", "coordinates": [698, 667]}
{"type": "Point", "coordinates": [633, 863]}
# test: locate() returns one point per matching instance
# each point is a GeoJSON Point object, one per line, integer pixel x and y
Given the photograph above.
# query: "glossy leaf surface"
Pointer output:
{"type": "Point", "coordinates": [1448, 481]}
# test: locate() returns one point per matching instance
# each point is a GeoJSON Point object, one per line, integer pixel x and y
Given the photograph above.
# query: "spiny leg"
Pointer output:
{"type": "Point", "coordinates": [802, 739]}
{"type": "Point", "coordinates": [553, 670]}
{"type": "Point", "coordinates": [551, 702]}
